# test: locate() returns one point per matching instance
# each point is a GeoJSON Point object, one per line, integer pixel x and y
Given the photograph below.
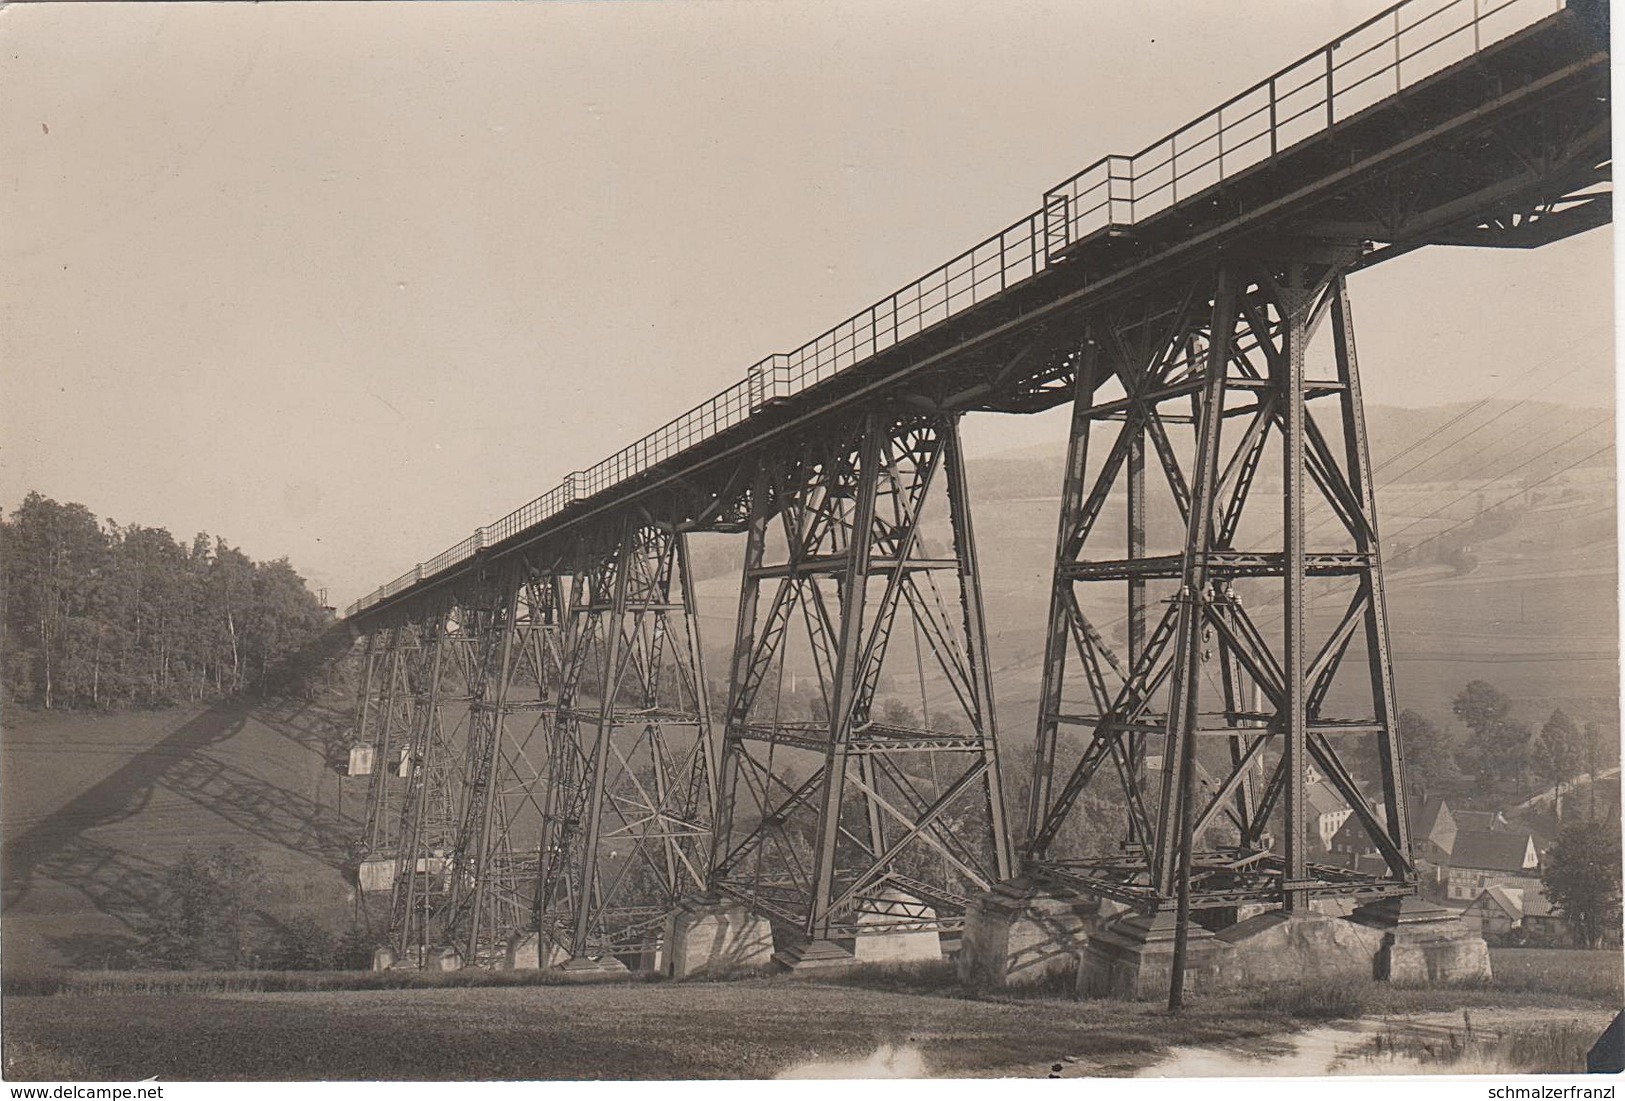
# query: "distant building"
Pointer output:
{"type": "Point", "coordinates": [1433, 830]}
{"type": "Point", "coordinates": [1523, 883]}
{"type": "Point", "coordinates": [1541, 923]}
{"type": "Point", "coordinates": [1433, 834]}
{"type": "Point", "coordinates": [1498, 911]}
{"type": "Point", "coordinates": [1482, 821]}
{"type": "Point", "coordinates": [1522, 913]}
{"type": "Point", "coordinates": [1483, 858]}
{"type": "Point", "coordinates": [1327, 811]}
{"type": "Point", "coordinates": [1351, 842]}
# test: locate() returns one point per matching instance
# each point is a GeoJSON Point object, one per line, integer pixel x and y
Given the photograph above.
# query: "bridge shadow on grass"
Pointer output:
{"type": "Point", "coordinates": [312, 727]}
{"type": "Point", "coordinates": [189, 764]}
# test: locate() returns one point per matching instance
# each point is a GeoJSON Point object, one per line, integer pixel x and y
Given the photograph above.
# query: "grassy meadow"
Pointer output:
{"type": "Point", "coordinates": [271, 1027]}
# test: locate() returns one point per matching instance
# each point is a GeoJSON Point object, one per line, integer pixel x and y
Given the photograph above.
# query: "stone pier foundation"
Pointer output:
{"type": "Point", "coordinates": [532, 952]}
{"type": "Point", "coordinates": [911, 932]}
{"type": "Point", "coordinates": [1423, 942]}
{"type": "Point", "coordinates": [585, 969]}
{"type": "Point", "coordinates": [444, 958]}
{"type": "Point", "coordinates": [376, 876]}
{"type": "Point", "coordinates": [712, 936]}
{"type": "Point", "coordinates": [813, 955]}
{"type": "Point", "coordinates": [1133, 957]}
{"type": "Point", "coordinates": [1304, 946]}
{"type": "Point", "coordinates": [1020, 933]}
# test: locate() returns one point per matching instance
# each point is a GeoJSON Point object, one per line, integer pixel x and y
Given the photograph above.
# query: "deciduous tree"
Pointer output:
{"type": "Point", "coordinates": [1582, 878]}
{"type": "Point", "coordinates": [1430, 753]}
{"type": "Point", "coordinates": [108, 616]}
{"type": "Point", "coordinates": [1498, 748]}
{"type": "Point", "coordinates": [1559, 751]}
{"type": "Point", "coordinates": [202, 920]}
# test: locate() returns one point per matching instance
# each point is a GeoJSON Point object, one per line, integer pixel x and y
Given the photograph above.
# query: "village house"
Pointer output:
{"type": "Point", "coordinates": [1350, 842]}
{"type": "Point", "coordinates": [1483, 858]}
{"type": "Point", "coordinates": [1433, 829]}
{"type": "Point", "coordinates": [1498, 911]}
{"type": "Point", "coordinates": [1482, 821]}
{"type": "Point", "coordinates": [1519, 911]}
{"type": "Point", "coordinates": [1433, 832]}
{"type": "Point", "coordinates": [1541, 923]}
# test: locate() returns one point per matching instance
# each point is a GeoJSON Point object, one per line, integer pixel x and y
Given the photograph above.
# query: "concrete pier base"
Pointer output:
{"type": "Point", "coordinates": [713, 936]}
{"type": "Point", "coordinates": [444, 958]}
{"type": "Point", "coordinates": [361, 760]}
{"type": "Point", "coordinates": [532, 952]}
{"type": "Point", "coordinates": [908, 946]}
{"type": "Point", "coordinates": [1133, 958]}
{"type": "Point", "coordinates": [585, 969]}
{"type": "Point", "coordinates": [1304, 946]}
{"type": "Point", "coordinates": [524, 953]}
{"type": "Point", "coordinates": [1020, 933]}
{"type": "Point", "coordinates": [383, 958]}
{"type": "Point", "coordinates": [1423, 942]}
{"type": "Point", "coordinates": [906, 934]}
{"type": "Point", "coordinates": [814, 955]}
{"type": "Point", "coordinates": [650, 961]}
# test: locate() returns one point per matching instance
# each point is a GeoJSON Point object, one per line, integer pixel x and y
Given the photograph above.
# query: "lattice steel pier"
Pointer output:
{"type": "Point", "coordinates": [1190, 406]}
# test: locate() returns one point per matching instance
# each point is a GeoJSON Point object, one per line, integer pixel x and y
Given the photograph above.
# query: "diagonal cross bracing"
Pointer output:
{"type": "Point", "coordinates": [1269, 669]}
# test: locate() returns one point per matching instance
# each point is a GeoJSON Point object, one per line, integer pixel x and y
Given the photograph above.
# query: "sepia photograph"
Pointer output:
{"type": "Point", "coordinates": [510, 573]}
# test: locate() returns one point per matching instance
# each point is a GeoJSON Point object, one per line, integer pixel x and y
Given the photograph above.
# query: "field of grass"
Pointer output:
{"type": "Point", "coordinates": [1583, 973]}
{"type": "Point", "coordinates": [755, 1028]}
{"type": "Point", "coordinates": [265, 1027]}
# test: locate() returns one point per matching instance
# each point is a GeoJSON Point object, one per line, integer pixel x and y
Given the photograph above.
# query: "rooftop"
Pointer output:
{"type": "Point", "coordinates": [1500, 851]}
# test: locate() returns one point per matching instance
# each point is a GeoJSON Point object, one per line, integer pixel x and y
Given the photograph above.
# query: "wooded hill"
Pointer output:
{"type": "Point", "coordinates": [99, 615]}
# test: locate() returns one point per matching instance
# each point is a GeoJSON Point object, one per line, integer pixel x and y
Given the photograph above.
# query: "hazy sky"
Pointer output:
{"type": "Point", "coordinates": [342, 282]}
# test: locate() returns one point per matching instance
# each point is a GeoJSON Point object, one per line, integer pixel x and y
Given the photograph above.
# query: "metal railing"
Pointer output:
{"type": "Point", "coordinates": [1381, 57]}
{"type": "Point", "coordinates": [1384, 55]}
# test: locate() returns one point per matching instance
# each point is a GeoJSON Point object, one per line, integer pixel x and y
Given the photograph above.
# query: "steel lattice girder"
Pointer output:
{"type": "Point", "coordinates": [844, 822]}
{"type": "Point", "coordinates": [512, 625]}
{"type": "Point", "coordinates": [1209, 376]}
{"type": "Point", "coordinates": [387, 719]}
{"type": "Point", "coordinates": [454, 798]}
{"type": "Point", "coordinates": [630, 796]}
{"type": "Point", "coordinates": [432, 779]}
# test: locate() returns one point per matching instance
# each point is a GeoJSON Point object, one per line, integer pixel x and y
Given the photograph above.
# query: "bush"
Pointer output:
{"type": "Point", "coordinates": [202, 919]}
{"type": "Point", "coordinates": [305, 944]}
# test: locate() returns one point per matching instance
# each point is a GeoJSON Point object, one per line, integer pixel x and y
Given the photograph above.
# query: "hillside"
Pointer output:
{"type": "Point", "coordinates": [98, 807]}
{"type": "Point", "coordinates": [1535, 614]}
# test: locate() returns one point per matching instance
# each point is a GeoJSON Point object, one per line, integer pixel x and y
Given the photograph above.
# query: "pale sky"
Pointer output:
{"type": "Point", "coordinates": [342, 282]}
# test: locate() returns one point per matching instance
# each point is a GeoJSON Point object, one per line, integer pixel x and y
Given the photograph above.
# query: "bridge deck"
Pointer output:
{"type": "Point", "coordinates": [1435, 122]}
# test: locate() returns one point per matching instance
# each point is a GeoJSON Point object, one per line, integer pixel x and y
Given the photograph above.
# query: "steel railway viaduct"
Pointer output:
{"type": "Point", "coordinates": [552, 785]}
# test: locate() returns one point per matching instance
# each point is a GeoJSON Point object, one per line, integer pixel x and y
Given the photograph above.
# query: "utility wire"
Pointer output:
{"type": "Point", "coordinates": [1525, 489]}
